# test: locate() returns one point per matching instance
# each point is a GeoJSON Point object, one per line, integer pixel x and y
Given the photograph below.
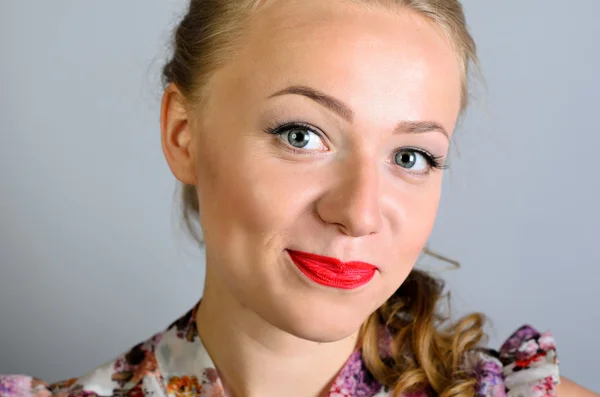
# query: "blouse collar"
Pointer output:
{"type": "Point", "coordinates": [184, 364]}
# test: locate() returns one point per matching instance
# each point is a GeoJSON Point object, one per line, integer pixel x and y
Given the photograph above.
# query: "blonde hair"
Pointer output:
{"type": "Point", "coordinates": [426, 353]}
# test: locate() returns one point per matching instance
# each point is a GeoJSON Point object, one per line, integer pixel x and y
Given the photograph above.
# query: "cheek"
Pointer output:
{"type": "Point", "coordinates": [416, 213]}
{"type": "Point", "coordinates": [243, 194]}
{"type": "Point", "coordinates": [418, 210]}
{"type": "Point", "coordinates": [424, 211]}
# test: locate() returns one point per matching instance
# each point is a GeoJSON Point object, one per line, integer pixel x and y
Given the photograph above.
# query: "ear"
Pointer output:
{"type": "Point", "coordinates": [176, 135]}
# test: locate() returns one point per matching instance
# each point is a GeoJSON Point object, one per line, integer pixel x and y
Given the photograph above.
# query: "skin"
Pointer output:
{"type": "Point", "coordinates": [265, 325]}
{"type": "Point", "coordinates": [568, 388]}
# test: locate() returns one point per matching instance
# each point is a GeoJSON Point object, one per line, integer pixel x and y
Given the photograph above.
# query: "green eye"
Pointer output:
{"type": "Point", "coordinates": [298, 138]}
{"type": "Point", "coordinates": [411, 159]}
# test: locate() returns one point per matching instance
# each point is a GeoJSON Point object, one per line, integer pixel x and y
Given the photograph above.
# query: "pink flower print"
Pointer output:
{"type": "Point", "coordinates": [121, 365]}
{"type": "Point", "coordinates": [156, 340]}
{"type": "Point", "coordinates": [509, 347]}
{"type": "Point", "coordinates": [354, 380]}
{"type": "Point", "coordinates": [489, 378]}
{"type": "Point", "coordinates": [546, 342]}
{"type": "Point", "coordinates": [527, 350]}
{"type": "Point", "coordinates": [341, 387]}
{"type": "Point", "coordinates": [544, 388]}
{"type": "Point", "coordinates": [339, 394]}
{"type": "Point", "coordinates": [15, 386]}
{"type": "Point", "coordinates": [212, 375]}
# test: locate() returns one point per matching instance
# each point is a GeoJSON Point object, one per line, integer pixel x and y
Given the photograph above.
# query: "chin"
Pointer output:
{"type": "Point", "coordinates": [322, 333]}
{"type": "Point", "coordinates": [325, 335]}
{"type": "Point", "coordinates": [320, 323]}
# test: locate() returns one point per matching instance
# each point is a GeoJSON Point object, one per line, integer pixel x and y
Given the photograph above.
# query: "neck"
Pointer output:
{"type": "Point", "coordinates": [254, 358]}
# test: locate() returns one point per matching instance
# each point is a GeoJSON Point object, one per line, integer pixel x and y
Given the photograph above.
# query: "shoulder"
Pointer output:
{"type": "Point", "coordinates": [22, 386]}
{"type": "Point", "coordinates": [134, 373]}
{"type": "Point", "coordinates": [568, 388]}
{"type": "Point", "coordinates": [525, 365]}
{"type": "Point", "coordinates": [131, 374]}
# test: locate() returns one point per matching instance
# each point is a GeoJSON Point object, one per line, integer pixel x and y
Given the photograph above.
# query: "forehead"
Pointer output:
{"type": "Point", "coordinates": [382, 62]}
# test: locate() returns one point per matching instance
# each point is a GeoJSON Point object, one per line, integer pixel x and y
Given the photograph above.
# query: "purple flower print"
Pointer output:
{"type": "Point", "coordinates": [489, 375]}
{"type": "Point", "coordinates": [521, 335]}
{"type": "Point", "coordinates": [546, 342]}
{"type": "Point", "coordinates": [527, 350]}
{"type": "Point", "coordinates": [354, 380]}
{"type": "Point", "coordinates": [15, 386]}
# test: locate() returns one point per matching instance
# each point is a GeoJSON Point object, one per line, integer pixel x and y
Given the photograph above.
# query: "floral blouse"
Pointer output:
{"type": "Point", "coordinates": [174, 363]}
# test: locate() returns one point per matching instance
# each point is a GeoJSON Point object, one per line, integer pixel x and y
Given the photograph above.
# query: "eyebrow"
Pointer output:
{"type": "Point", "coordinates": [344, 111]}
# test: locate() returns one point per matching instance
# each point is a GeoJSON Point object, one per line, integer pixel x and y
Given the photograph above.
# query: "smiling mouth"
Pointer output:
{"type": "Point", "coordinates": [332, 272]}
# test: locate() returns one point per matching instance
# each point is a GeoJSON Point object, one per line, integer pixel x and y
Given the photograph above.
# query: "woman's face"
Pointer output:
{"type": "Point", "coordinates": [353, 180]}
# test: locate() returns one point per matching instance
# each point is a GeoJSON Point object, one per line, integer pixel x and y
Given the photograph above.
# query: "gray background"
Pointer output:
{"type": "Point", "coordinates": [93, 259]}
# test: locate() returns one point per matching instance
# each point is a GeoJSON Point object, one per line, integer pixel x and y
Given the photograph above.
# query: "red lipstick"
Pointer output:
{"type": "Point", "coordinates": [332, 272]}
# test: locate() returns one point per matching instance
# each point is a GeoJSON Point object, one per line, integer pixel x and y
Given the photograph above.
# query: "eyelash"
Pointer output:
{"type": "Point", "coordinates": [276, 128]}
{"type": "Point", "coordinates": [434, 161]}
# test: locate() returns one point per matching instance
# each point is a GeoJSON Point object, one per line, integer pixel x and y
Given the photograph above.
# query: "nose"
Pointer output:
{"type": "Point", "coordinates": [353, 201]}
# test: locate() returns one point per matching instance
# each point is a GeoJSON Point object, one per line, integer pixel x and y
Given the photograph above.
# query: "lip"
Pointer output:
{"type": "Point", "coordinates": [332, 272]}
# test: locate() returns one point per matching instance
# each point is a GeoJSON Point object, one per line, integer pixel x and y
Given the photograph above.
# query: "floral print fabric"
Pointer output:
{"type": "Point", "coordinates": [174, 363]}
{"type": "Point", "coordinates": [525, 366]}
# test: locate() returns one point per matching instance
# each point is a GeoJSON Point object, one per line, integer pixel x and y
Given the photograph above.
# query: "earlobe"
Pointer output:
{"type": "Point", "coordinates": [176, 135]}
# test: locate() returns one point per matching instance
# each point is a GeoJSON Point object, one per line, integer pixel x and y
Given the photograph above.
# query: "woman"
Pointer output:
{"type": "Point", "coordinates": [310, 138]}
